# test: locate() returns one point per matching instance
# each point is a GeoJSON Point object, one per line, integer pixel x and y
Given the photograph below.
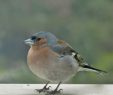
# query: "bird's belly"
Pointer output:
{"type": "Point", "coordinates": [60, 74]}
{"type": "Point", "coordinates": [55, 71]}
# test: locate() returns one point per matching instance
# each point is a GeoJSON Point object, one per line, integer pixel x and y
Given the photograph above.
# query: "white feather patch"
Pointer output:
{"type": "Point", "coordinates": [73, 54]}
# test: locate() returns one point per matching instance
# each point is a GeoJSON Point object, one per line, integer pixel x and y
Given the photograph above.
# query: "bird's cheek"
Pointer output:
{"type": "Point", "coordinates": [42, 41]}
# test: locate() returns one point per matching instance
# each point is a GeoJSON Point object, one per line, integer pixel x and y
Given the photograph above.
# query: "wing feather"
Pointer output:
{"type": "Point", "coordinates": [63, 48]}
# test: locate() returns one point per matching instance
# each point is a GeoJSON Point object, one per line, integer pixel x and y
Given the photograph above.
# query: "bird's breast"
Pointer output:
{"type": "Point", "coordinates": [50, 66]}
{"type": "Point", "coordinates": [38, 57]}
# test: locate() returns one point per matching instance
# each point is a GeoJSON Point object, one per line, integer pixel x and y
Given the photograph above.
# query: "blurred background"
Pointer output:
{"type": "Point", "coordinates": [86, 24]}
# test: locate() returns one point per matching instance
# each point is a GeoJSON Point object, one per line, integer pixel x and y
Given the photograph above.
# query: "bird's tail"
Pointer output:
{"type": "Point", "coordinates": [86, 67]}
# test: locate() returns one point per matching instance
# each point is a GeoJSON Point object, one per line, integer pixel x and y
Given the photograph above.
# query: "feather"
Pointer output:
{"type": "Point", "coordinates": [63, 48]}
{"type": "Point", "coordinates": [86, 67]}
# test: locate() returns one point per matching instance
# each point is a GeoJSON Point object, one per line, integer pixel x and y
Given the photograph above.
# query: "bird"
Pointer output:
{"type": "Point", "coordinates": [54, 60]}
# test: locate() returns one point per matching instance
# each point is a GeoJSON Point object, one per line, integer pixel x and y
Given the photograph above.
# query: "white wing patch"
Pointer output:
{"type": "Point", "coordinates": [73, 54]}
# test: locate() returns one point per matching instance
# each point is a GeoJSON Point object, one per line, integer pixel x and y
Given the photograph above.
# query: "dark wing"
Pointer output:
{"type": "Point", "coordinates": [63, 48]}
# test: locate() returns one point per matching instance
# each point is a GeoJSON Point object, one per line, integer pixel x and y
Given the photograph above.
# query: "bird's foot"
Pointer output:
{"type": "Point", "coordinates": [54, 92]}
{"type": "Point", "coordinates": [44, 89]}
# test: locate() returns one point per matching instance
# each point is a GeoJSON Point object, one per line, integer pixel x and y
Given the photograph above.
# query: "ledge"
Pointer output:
{"type": "Point", "coordinates": [75, 89]}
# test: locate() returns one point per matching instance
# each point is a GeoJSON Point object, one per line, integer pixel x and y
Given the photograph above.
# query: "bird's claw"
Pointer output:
{"type": "Point", "coordinates": [54, 92]}
{"type": "Point", "coordinates": [45, 89]}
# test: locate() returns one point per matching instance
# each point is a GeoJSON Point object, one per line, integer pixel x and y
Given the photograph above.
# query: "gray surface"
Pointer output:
{"type": "Point", "coordinates": [68, 89]}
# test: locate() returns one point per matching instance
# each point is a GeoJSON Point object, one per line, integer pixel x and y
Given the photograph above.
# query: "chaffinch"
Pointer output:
{"type": "Point", "coordinates": [54, 60]}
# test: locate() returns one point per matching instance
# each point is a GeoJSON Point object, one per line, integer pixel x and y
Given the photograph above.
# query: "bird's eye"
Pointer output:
{"type": "Point", "coordinates": [33, 37]}
{"type": "Point", "coordinates": [38, 39]}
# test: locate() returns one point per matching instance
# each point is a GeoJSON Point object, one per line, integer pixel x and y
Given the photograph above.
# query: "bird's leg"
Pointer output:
{"type": "Point", "coordinates": [55, 91]}
{"type": "Point", "coordinates": [44, 89]}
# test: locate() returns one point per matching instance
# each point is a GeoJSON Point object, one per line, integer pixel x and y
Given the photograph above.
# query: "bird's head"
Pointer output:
{"type": "Point", "coordinates": [41, 38]}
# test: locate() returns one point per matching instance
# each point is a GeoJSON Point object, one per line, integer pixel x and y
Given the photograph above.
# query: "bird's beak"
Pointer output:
{"type": "Point", "coordinates": [29, 42]}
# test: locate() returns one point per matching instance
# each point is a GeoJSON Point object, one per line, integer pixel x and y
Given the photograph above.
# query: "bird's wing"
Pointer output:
{"type": "Point", "coordinates": [63, 48]}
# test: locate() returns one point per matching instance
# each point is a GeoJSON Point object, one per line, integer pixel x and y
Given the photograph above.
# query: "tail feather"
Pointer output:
{"type": "Point", "coordinates": [86, 67]}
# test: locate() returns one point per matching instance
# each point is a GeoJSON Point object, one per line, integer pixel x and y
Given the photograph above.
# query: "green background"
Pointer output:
{"type": "Point", "coordinates": [86, 24]}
